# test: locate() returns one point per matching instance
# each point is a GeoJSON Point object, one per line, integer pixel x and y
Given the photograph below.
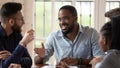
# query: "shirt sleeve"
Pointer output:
{"type": "Point", "coordinates": [49, 47]}
{"type": "Point", "coordinates": [15, 57]}
{"type": "Point", "coordinates": [96, 50]}
{"type": "Point", "coordinates": [26, 61]}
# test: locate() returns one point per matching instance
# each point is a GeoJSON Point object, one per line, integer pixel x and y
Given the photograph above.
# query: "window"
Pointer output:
{"type": "Point", "coordinates": [85, 11]}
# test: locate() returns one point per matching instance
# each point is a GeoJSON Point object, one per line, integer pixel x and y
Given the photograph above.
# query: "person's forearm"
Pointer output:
{"type": "Point", "coordinates": [26, 59]}
{"type": "Point", "coordinates": [14, 57]}
{"type": "Point", "coordinates": [26, 62]}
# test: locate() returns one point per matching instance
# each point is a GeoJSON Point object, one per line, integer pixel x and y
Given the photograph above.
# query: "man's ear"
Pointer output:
{"type": "Point", "coordinates": [76, 18]}
{"type": "Point", "coordinates": [11, 21]}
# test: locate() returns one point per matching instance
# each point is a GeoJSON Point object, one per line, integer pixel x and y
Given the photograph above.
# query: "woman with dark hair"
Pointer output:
{"type": "Point", "coordinates": [112, 58]}
{"type": "Point", "coordinates": [104, 41]}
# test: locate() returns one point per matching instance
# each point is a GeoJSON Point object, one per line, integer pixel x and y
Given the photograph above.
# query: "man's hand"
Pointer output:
{"type": "Point", "coordinates": [62, 65]}
{"type": "Point", "coordinates": [70, 61]}
{"type": "Point", "coordinates": [40, 51]}
{"type": "Point", "coordinates": [4, 54]}
{"type": "Point", "coordinates": [14, 65]}
{"type": "Point", "coordinates": [28, 37]}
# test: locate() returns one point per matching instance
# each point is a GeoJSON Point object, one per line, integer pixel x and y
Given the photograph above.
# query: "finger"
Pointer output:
{"type": "Point", "coordinates": [0, 57]}
{"type": "Point", "coordinates": [36, 50]}
{"type": "Point", "coordinates": [31, 30]}
{"type": "Point", "coordinates": [11, 66]}
{"type": "Point", "coordinates": [5, 55]}
{"type": "Point", "coordinates": [4, 51]}
{"type": "Point", "coordinates": [42, 45]}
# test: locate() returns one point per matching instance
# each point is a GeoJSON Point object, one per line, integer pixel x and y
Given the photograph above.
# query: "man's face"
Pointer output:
{"type": "Point", "coordinates": [18, 23]}
{"type": "Point", "coordinates": [66, 21]}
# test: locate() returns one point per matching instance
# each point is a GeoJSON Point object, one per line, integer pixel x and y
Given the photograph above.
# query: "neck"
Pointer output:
{"type": "Point", "coordinates": [74, 33]}
{"type": "Point", "coordinates": [7, 29]}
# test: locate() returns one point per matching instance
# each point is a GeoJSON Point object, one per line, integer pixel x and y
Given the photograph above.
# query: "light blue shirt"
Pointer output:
{"type": "Point", "coordinates": [85, 45]}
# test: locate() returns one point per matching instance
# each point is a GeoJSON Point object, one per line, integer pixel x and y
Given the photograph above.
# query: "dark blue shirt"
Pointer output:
{"type": "Point", "coordinates": [19, 54]}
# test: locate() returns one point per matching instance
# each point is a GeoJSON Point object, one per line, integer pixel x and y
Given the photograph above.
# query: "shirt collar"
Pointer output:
{"type": "Point", "coordinates": [80, 31]}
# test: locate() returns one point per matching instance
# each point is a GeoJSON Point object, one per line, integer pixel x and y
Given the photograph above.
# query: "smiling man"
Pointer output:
{"type": "Point", "coordinates": [73, 44]}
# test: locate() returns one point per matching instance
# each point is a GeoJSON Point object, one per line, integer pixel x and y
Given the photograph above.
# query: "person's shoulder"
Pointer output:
{"type": "Point", "coordinates": [112, 55]}
{"type": "Point", "coordinates": [88, 29]}
{"type": "Point", "coordinates": [111, 60]}
{"type": "Point", "coordinates": [55, 33]}
{"type": "Point", "coordinates": [113, 52]}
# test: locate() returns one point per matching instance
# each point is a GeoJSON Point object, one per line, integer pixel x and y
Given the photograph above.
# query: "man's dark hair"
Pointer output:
{"type": "Point", "coordinates": [10, 8]}
{"type": "Point", "coordinates": [113, 12]}
{"type": "Point", "coordinates": [70, 8]}
{"type": "Point", "coordinates": [115, 41]}
{"type": "Point", "coordinates": [106, 31]}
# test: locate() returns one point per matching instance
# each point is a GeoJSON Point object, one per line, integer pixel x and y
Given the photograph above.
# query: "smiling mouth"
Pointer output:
{"type": "Point", "coordinates": [64, 27]}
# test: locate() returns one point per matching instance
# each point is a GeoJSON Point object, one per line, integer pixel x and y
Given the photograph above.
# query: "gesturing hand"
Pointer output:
{"type": "Point", "coordinates": [40, 51]}
{"type": "Point", "coordinates": [29, 36]}
{"type": "Point", "coordinates": [4, 54]}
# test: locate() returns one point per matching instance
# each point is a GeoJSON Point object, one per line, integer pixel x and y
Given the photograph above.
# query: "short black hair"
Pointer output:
{"type": "Point", "coordinates": [70, 8]}
{"type": "Point", "coordinates": [10, 8]}
{"type": "Point", "coordinates": [115, 41]}
{"type": "Point", "coordinates": [113, 12]}
{"type": "Point", "coordinates": [106, 31]}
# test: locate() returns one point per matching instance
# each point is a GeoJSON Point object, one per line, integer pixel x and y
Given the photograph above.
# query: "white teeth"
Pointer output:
{"type": "Point", "coordinates": [64, 27]}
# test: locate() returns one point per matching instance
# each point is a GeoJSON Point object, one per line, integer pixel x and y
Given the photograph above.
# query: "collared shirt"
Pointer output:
{"type": "Point", "coordinates": [85, 45]}
{"type": "Point", "coordinates": [19, 54]}
{"type": "Point", "coordinates": [111, 60]}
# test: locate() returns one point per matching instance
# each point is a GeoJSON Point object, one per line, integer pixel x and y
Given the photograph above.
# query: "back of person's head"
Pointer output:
{"type": "Point", "coordinates": [113, 12]}
{"type": "Point", "coordinates": [9, 9]}
{"type": "Point", "coordinates": [115, 41]}
{"type": "Point", "coordinates": [106, 31]}
{"type": "Point", "coordinates": [72, 9]}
